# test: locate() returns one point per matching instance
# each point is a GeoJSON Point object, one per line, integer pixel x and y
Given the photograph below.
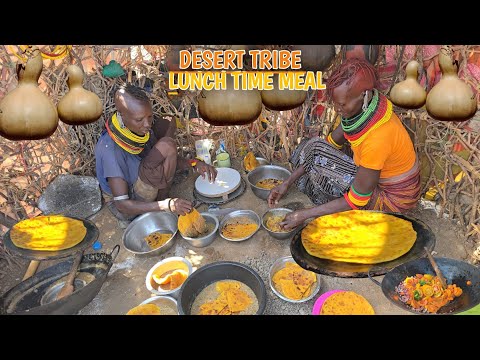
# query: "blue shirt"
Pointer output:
{"type": "Point", "coordinates": [113, 161]}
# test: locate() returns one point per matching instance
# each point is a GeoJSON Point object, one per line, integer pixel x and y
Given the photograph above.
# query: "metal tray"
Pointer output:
{"type": "Point", "coordinates": [89, 239]}
{"type": "Point", "coordinates": [425, 238]}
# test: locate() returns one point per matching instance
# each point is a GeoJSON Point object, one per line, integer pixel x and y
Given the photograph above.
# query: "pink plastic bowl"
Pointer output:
{"type": "Point", "coordinates": [319, 303]}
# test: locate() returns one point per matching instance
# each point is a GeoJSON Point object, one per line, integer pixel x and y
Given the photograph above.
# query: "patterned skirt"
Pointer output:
{"type": "Point", "coordinates": [329, 173]}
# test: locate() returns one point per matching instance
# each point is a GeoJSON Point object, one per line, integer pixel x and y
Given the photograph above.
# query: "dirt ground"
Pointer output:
{"type": "Point", "coordinates": [125, 285]}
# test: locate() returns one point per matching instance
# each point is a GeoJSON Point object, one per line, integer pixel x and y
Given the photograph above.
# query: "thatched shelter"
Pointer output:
{"type": "Point", "coordinates": [446, 149]}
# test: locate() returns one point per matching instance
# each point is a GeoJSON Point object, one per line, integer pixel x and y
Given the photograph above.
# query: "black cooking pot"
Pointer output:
{"type": "Point", "coordinates": [37, 294]}
{"type": "Point", "coordinates": [455, 272]}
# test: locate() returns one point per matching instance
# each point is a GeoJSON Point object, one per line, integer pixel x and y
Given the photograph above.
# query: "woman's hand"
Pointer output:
{"type": "Point", "coordinates": [205, 169]}
{"type": "Point", "coordinates": [276, 194]}
{"type": "Point", "coordinates": [180, 206]}
{"type": "Point", "coordinates": [293, 219]}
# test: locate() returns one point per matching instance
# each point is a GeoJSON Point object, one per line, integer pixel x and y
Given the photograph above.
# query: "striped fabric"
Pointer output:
{"type": "Point", "coordinates": [329, 174]}
{"type": "Point", "coordinates": [329, 171]}
{"type": "Point", "coordinates": [397, 194]}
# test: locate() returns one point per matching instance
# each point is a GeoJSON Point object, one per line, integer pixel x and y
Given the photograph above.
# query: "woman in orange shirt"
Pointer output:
{"type": "Point", "coordinates": [384, 172]}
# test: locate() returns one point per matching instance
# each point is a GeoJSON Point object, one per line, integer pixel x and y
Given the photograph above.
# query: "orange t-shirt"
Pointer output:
{"type": "Point", "coordinates": [387, 148]}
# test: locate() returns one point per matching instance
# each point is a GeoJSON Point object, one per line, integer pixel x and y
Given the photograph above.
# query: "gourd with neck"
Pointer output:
{"type": "Point", "coordinates": [79, 106]}
{"type": "Point", "coordinates": [26, 113]}
{"type": "Point", "coordinates": [451, 99]}
{"type": "Point", "coordinates": [409, 94]}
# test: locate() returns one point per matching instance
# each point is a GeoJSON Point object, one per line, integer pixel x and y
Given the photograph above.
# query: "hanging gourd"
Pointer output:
{"type": "Point", "coordinates": [26, 113]}
{"type": "Point", "coordinates": [79, 106]}
{"type": "Point", "coordinates": [229, 106]}
{"type": "Point", "coordinates": [282, 99]}
{"type": "Point", "coordinates": [316, 57]}
{"type": "Point", "coordinates": [451, 99]}
{"type": "Point", "coordinates": [409, 94]}
{"type": "Point", "coordinates": [367, 52]}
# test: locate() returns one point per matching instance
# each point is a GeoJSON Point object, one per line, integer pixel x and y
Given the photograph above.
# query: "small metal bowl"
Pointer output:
{"type": "Point", "coordinates": [239, 213]}
{"type": "Point", "coordinates": [276, 212]}
{"type": "Point", "coordinates": [171, 263]}
{"type": "Point", "coordinates": [134, 235]}
{"type": "Point", "coordinates": [266, 172]}
{"type": "Point", "coordinates": [280, 264]}
{"type": "Point", "coordinates": [163, 302]}
{"type": "Point", "coordinates": [207, 239]}
{"type": "Point", "coordinates": [261, 162]}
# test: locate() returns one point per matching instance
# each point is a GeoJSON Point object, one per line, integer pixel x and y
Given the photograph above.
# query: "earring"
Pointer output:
{"type": "Point", "coordinates": [365, 101]}
{"type": "Point", "coordinates": [120, 120]}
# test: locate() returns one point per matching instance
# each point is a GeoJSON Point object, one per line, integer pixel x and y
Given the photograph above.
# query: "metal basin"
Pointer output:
{"type": "Point", "coordinates": [134, 236]}
{"type": "Point", "coordinates": [280, 264]}
{"type": "Point", "coordinates": [274, 234]}
{"type": "Point", "coordinates": [266, 172]}
{"type": "Point", "coordinates": [251, 215]}
{"type": "Point", "coordinates": [207, 239]}
{"type": "Point", "coordinates": [218, 271]}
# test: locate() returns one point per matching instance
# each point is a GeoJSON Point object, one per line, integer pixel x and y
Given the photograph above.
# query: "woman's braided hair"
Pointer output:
{"type": "Point", "coordinates": [350, 71]}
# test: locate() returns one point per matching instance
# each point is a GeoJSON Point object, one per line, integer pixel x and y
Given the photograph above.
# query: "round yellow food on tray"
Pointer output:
{"type": "Point", "coordinates": [145, 309]}
{"type": "Point", "coordinates": [346, 303]}
{"type": "Point", "coordinates": [359, 236]}
{"type": "Point", "coordinates": [48, 233]}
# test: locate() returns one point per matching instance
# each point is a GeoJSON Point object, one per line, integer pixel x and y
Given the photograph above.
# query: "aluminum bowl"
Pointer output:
{"type": "Point", "coordinates": [163, 301]}
{"type": "Point", "coordinates": [239, 213]}
{"type": "Point", "coordinates": [207, 239]}
{"type": "Point", "coordinates": [167, 264]}
{"type": "Point", "coordinates": [218, 271]}
{"type": "Point", "coordinates": [266, 172]}
{"type": "Point", "coordinates": [261, 162]}
{"type": "Point", "coordinates": [274, 234]}
{"type": "Point", "coordinates": [134, 235]}
{"type": "Point", "coordinates": [280, 264]}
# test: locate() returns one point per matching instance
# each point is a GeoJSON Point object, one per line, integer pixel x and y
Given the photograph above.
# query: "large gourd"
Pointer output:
{"type": "Point", "coordinates": [79, 106]}
{"type": "Point", "coordinates": [229, 106]}
{"type": "Point", "coordinates": [284, 99]}
{"type": "Point", "coordinates": [26, 113]}
{"type": "Point", "coordinates": [451, 99]}
{"type": "Point", "coordinates": [316, 57]}
{"type": "Point", "coordinates": [409, 94]}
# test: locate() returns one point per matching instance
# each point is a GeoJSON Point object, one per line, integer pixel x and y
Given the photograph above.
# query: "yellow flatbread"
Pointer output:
{"type": "Point", "coordinates": [48, 233]}
{"type": "Point", "coordinates": [346, 303]}
{"type": "Point", "coordinates": [145, 309]}
{"type": "Point", "coordinates": [359, 236]}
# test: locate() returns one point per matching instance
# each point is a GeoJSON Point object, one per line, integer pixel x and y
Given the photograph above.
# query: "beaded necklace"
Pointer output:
{"type": "Point", "coordinates": [358, 127]}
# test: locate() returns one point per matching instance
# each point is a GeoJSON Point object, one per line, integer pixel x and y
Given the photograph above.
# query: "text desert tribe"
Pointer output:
{"type": "Point", "coordinates": [230, 62]}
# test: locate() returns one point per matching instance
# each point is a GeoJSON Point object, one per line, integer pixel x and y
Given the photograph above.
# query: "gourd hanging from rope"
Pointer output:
{"type": "Point", "coordinates": [316, 57]}
{"type": "Point", "coordinates": [26, 113]}
{"type": "Point", "coordinates": [229, 106]}
{"type": "Point", "coordinates": [79, 106]}
{"type": "Point", "coordinates": [408, 93]}
{"type": "Point", "coordinates": [451, 99]}
{"type": "Point", "coordinates": [282, 100]}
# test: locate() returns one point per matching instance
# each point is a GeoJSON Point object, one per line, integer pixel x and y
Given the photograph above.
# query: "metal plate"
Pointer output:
{"type": "Point", "coordinates": [425, 238]}
{"type": "Point", "coordinates": [89, 239]}
{"type": "Point", "coordinates": [220, 200]}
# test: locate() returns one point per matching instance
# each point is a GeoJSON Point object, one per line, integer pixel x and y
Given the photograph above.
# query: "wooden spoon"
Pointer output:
{"type": "Point", "coordinates": [68, 287]}
{"type": "Point", "coordinates": [436, 268]}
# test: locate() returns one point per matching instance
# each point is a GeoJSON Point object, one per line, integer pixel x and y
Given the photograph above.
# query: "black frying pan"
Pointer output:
{"type": "Point", "coordinates": [455, 272]}
{"type": "Point", "coordinates": [425, 238]}
{"type": "Point", "coordinates": [89, 239]}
